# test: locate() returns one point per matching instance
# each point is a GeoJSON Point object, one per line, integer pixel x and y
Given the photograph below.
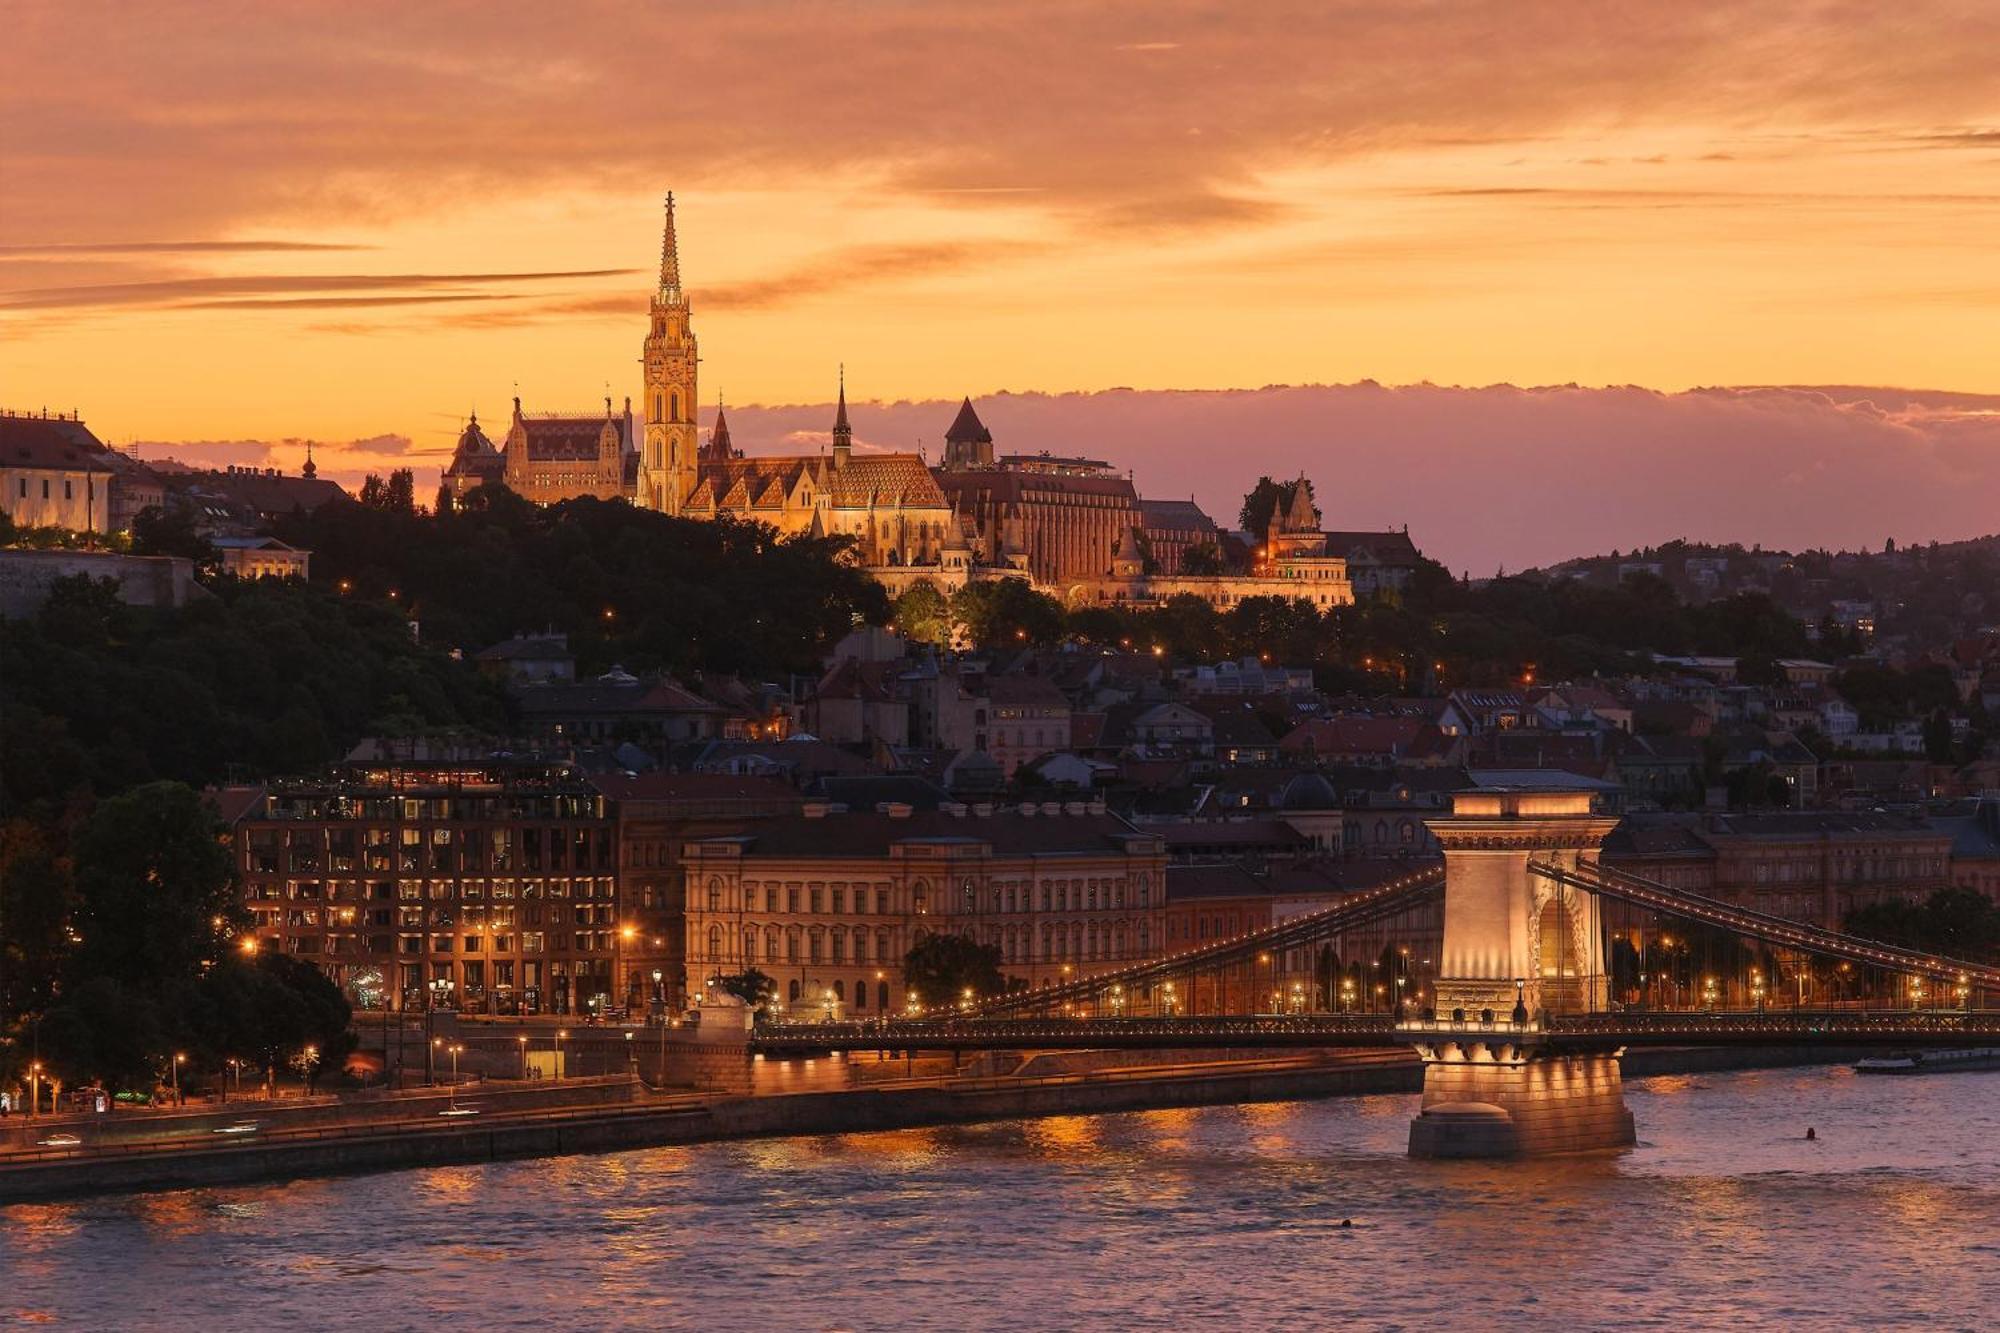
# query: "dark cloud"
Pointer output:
{"type": "Point", "coordinates": [175, 291]}
{"type": "Point", "coordinates": [341, 302]}
{"type": "Point", "coordinates": [378, 110]}
{"type": "Point", "coordinates": [60, 248]}
{"type": "Point", "coordinates": [856, 266]}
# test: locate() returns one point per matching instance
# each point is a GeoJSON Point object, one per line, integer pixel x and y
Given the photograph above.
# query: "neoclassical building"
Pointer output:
{"type": "Point", "coordinates": [829, 902]}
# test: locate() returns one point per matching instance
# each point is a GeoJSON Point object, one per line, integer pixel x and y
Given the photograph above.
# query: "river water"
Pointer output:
{"type": "Point", "coordinates": [1724, 1216]}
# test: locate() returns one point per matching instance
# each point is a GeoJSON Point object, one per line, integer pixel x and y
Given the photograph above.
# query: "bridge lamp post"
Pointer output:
{"type": "Point", "coordinates": [1916, 992]}
{"type": "Point", "coordinates": [1347, 995]}
{"type": "Point", "coordinates": [1757, 989]}
{"type": "Point", "coordinates": [1298, 998]}
{"type": "Point", "coordinates": [1708, 992]}
{"type": "Point", "coordinates": [1964, 992]}
{"type": "Point", "coordinates": [1172, 1003]}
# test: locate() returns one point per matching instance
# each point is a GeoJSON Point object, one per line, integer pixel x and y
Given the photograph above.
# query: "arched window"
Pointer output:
{"type": "Point", "coordinates": [715, 943]}
{"type": "Point", "coordinates": [715, 895]}
{"type": "Point", "coordinates": [860, 995]}
{"type": "Point", "coordinates": [794, 991]}
{"type": "Point", "coordinates": [840, 990]}
{"type": "Point", "coordinates": [674, 403]}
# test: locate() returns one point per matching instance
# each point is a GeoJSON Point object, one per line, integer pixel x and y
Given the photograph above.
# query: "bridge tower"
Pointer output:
{"type": "Point", "coordinates": [1518, 948]}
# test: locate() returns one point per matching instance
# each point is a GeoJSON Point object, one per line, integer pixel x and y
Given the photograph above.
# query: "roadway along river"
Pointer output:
{"type": "Point", "coordinates": [1723, 1217]}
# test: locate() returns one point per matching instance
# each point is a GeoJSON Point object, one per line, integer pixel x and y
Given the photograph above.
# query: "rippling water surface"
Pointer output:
{"type": "Point", "coordinates": [1724, 1216]}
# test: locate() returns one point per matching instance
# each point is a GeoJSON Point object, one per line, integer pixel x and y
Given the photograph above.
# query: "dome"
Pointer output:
{"type": "Point", "coordinates": [1309, 791]}
{"type": "Point", "coordinates": [472, 440]}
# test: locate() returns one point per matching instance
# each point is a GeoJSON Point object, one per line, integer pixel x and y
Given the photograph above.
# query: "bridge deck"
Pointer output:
{"type": "Point", "coordinates": [1769, 1028]}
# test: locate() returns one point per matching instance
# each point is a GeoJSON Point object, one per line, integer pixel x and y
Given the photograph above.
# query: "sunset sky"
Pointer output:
{"type": "Point", "coordinates": [229, 228]}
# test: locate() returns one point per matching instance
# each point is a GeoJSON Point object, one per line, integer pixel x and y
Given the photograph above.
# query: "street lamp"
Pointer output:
{"type": "Point", "coordinates": [451, 1095]}
{"type": "Point", "coordinates": [176, 1069]}
{"type": "Point", "coordinates": [524, 1057]}
{"type": "Point", "coordinates": [34, 1089]}
{"type": "Point", "coordinates": [560, 1034]}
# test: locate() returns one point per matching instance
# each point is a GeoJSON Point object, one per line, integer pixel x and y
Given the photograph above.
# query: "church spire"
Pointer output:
{"type": "Point", "coordinates": [843, 434]}
{"type": "Point", "coordinates": [670, 257]}
{"type": "Point", "coordinates": [718, 439]}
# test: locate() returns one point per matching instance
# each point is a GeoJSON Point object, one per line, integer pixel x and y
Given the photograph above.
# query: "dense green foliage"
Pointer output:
{"type": "Point", "coordinates": [257, 678]}
{"type": "Point", "coordinates": [1440, 634]}
{"type": "Point", "coordinates": [1265, 499]}
{"type": "Point", "coordinates": [630, 587]}
{"type": "Point", "coordinates": [754, 987]}
{"type": "Point", "coordinates": [126, 949]}
{"type": "Point", "coordinates": [1952, 923]}
{"type": "Point", "coordinates": [941, 969]}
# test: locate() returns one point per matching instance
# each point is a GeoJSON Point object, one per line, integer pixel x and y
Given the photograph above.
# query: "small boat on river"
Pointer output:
{"type": "Point", "coordinates": [1931, 1062]}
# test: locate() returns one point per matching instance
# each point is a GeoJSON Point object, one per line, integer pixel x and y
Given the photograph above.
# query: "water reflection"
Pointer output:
{"type": "Point", "coordinates": [1231, 1215]}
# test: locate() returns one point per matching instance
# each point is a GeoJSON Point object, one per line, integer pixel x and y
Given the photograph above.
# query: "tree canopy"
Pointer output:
{"type": "Point", "coordinates": [940, 969]}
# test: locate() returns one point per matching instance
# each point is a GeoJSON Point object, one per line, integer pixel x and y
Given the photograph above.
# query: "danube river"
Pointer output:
{"type": "Point", "coordinates": [1725, 1216]}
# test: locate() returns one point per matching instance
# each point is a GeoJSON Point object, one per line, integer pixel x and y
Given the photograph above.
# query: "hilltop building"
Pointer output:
{"type": "Point", "coordinates": [1074, 526]}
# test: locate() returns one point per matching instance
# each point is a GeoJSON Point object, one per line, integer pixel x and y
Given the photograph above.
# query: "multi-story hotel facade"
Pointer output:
{"type": "Point", "coordinates": [488, 886]}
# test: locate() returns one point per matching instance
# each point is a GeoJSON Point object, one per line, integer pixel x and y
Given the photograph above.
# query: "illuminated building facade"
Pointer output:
{"type": "Point", "coordinates": [829, 902]}
{"type": "Point", "coordinates": [485, 885]}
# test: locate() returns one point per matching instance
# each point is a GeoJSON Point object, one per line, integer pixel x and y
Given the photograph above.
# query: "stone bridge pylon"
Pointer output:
{"type": "Point", "coordinates": [1518, 946]}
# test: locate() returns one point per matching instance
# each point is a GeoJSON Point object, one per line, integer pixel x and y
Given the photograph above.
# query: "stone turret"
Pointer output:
{"type": "Point", "coordinates": [967, 442]}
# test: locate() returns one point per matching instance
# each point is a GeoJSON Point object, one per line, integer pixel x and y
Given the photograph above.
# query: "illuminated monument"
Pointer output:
{"type": "Point", "coordinates": [1518, 946]}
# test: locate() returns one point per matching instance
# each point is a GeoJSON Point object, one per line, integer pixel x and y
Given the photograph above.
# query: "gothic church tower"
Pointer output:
{"type": "Point", "coordinates": [667, 462]}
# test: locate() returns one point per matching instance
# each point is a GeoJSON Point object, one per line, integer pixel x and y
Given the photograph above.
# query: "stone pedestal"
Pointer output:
{"type": "Point", "coordinates": [1514, 1098]}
